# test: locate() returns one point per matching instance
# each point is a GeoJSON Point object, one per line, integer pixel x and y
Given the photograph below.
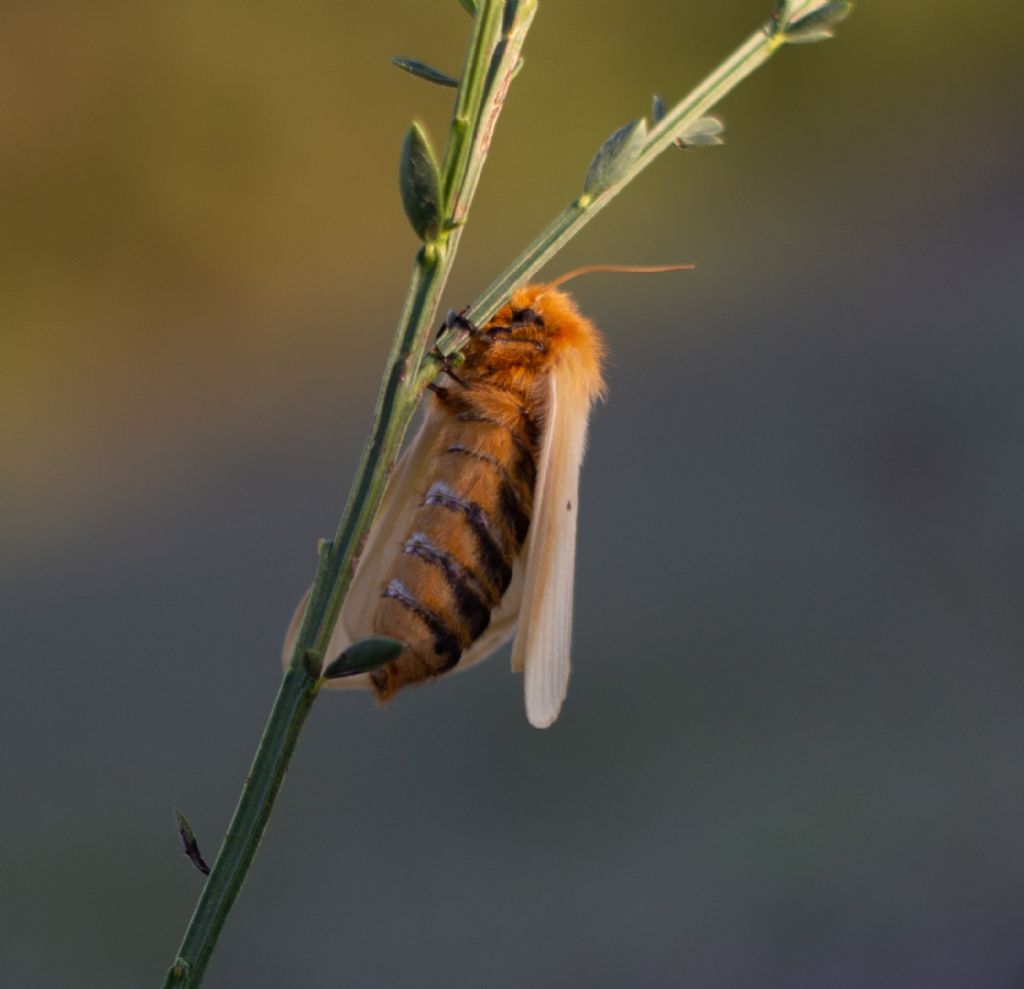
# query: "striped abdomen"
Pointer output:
{"type": "Point", "coordinates": [456, 561]}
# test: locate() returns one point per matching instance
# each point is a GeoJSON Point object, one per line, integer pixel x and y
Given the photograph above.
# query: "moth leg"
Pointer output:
{"type": "Point", "coordinates": [454, 320]}
{"type": "Point", "coordinates": [447, 367]}
{"type": "Point", "coordinates": [457, 320]}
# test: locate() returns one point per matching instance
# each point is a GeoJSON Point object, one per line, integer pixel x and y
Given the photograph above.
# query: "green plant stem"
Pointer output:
{"type": "Point", "coordinates": [499, 31]}
{"type": "Point", "coordinates": [293, 703]}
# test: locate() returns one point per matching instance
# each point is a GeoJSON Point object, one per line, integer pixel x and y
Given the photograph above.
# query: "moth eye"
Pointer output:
{"type": "Point", "coordinates": [527, 317]}
{"type": "Point", "coordinates": [518, 318]}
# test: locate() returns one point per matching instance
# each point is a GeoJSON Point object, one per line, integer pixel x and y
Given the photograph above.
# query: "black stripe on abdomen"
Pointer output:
{"type": "Point", "coordinates": [511, 504]}
{"type": "Point", "coordinates": [525, 466]}
{"type": "Point", "coordinates": [470, 597]}
{"type": "Point", "coordinates": [513, 512]}
{"type": "Point", "coordinates": [492, 557]}
{"type": "Point", "coordinates": [445, 641]}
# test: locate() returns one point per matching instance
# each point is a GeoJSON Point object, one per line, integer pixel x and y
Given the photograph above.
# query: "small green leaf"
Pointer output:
{"type": "Point", "coordinates": [809, 37]}
{"type": "Point", "coordinates": [420, 184]}
{"type": "Point", "coordinates": [614, 157]}
{"type": "Point", "coordinates": [424, 71]}
{"type": "Point", "coordinates": [657, 108]}
{"type": "Point", "coordinates": [469, 6]}
{"type": "Point", "coordinates": [818, 24]}
{"type": "Point", "coordinates": [184, 828]}
{"type": "Point", "coordinates": [703, 134]}
{"type": "Point", "coordinates": [365, 655]}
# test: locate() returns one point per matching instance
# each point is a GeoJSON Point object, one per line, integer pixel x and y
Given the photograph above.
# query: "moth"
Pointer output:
{"type": "Point", "coordinates": [476, 537]}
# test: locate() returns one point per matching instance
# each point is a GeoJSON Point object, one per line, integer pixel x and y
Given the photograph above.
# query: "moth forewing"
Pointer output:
{"type": "Point", "coordinates": [543, 640]}
{"type": "Point", "coordinates": [385, 534]}
{"type": "Point", "coordinates": [404, 491]}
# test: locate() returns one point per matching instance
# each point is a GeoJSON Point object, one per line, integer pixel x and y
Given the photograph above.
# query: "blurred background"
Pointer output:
{"type": "Point", "coordinates": [792, 749]}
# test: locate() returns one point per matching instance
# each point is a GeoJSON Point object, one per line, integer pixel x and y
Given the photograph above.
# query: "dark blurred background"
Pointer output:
{"type": "Point", "coordinates": [792, 749]}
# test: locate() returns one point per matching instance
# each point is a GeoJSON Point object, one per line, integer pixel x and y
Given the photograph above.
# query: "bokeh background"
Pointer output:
{"type": "Point", "coordinates": [792, 750]}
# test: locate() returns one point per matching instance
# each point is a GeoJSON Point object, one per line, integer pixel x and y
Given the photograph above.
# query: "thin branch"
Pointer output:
{"type": "Point", "coordinates": [791, 23]}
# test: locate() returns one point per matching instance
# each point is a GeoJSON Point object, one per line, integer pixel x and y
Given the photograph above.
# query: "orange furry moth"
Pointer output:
{"type": "Point", "coordinates": [476, 537]}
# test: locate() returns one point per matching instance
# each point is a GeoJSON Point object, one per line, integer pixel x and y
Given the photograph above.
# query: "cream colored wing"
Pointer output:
{"type": "Point", "coordinates": [401, 499]}
{"type": "Point", "coordinates": [544, 636]}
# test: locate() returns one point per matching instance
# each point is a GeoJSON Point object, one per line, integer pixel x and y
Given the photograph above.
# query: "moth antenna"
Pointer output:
{"type": "Point", "coordinates": [633, 269]}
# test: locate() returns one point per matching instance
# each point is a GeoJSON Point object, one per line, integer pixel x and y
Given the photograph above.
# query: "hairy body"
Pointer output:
{"type": "Point", "coordinates": [477, 498]}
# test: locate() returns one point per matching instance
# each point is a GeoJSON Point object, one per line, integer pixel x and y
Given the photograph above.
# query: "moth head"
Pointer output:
{"type": "Point", "coordinates": [544, 314]}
